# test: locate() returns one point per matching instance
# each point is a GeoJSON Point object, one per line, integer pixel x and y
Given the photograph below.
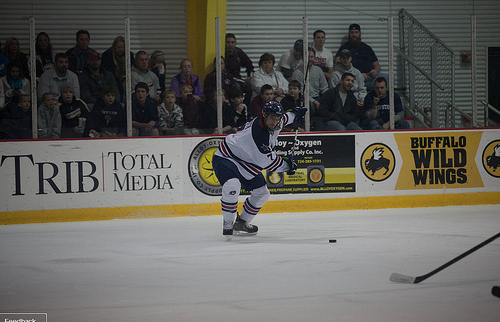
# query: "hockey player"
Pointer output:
{"type": "Point", "coordinates": [241, 157]}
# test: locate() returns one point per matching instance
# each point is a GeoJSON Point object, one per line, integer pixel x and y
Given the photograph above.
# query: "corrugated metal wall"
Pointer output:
{"type": "Point", "coordinates": [154, 24]}
{"type": "Point", "coordinates": [264, 26]}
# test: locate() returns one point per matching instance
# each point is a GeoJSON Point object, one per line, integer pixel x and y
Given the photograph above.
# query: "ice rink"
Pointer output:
{"type": "Point", "coordinates": [182, 269]}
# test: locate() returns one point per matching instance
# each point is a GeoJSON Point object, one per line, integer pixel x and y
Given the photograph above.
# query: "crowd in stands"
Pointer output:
{"type": "Point", "coordinates": [81, 92]}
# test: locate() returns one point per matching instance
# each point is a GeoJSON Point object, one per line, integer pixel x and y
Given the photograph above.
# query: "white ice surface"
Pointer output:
{"type": "Point", "coordinates": [182, 269]}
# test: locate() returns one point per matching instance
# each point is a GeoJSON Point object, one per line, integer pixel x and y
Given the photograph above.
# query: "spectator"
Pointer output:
{"type": "Point", "coordinates": [92, 79]}
{"type": "Point", "coordinates": [294, 99]}
{"type": "Point", "coordinates": [316, 79]}
{"type": "Point", "coordinates": [186, 77]}
{"type": "Point", "coordinates": [190, 109]}
{"type": "Point", "coordinates": [14, 54]}
{"type": "Point", "coordinates": [345, 66]}
{"type": "Point", "coordinates": [363, 56]}
{"type": "Point", "coordinates": [158, 66]}
{"type": "Point", "coordinates": [324, 57]}
{"type": "Point", "coordinates": [113, 61]}
{"type": "Point", "coordinates": [292, 59]}
{"type": "Point", "coordinates": [44, 57]}
{"type": "Point", "coordinates": [338, 107]}
{"type": "Point", "coordinates": [74, 112]}
{"type": "Point", "coordinates": [227, 80]}
{"type": "Point", "coordinates": [236, 59]}
{"type": "Point", "coordinates": [266, 95]}
{"type": "Point", "coordinates": [208, 113]}
{"type": "Point", "coordinates": [170, 118]}
{"type": "Point", "coordinates": [377, 109]}
{"type": "Point", "coordinates": [49, 118]}
{"type": "Point", "coordinates": [267, 75]}
{"type": "Point", "coordinates": [13, 84]}
{"type": "Point", "coordinates": [142, 74]}
{"type": "Point", "coordinates": [15, 119]}
{"type": "Point", "coordinates": [144, 112]}
{"type": "Point", "coordinates": [235, 114]}
{"type": "Point", "coordinates": [77, 56]}
{"type": "Point", "coordinates": [51, 80]}
{"type": "Point", "coordinates": [108, 117]}
{"type": "Point", "coordinates": [4, 61]}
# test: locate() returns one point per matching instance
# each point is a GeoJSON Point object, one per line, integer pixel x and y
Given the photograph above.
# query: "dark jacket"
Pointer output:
{"type": "Point", "coordinates": [331, 107]}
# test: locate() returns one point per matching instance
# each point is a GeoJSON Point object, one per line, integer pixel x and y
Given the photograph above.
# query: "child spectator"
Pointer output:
{"type": "Point", "coordinates": [293, 99]}
{"type": "Point", "coordinates": [15, 118]}
{"type": "Point", "coordinates": [190, 109]}
{"type": "Point", "coordinates": [236, 114]}
{"type": "Point", "coordinates": [170, 118]}
{"type": "Point", "coordinates": [49, 118]}
{"type": "Point", "coordinates": [266, 95]}
{"type": "Point", "coordinates": [144, 112]}
{"type": "Point", "coordinates": [74, 112]}
{"type": "Point", "coordinates": [108, 117]}
{"type": "Point", "coordinates": [13, 84]}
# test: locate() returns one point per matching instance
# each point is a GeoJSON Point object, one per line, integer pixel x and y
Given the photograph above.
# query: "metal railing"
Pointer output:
{"type": "Point", "coordinates": [427, 70]}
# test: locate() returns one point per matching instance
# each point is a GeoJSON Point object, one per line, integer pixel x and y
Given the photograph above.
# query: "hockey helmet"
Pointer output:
{"type": "Point", "coordinates": [273, 107]}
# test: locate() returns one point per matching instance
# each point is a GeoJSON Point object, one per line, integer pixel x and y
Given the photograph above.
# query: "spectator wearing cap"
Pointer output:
{"type": "Point", "coordinates": [52, 79]}
{"type": "Point", "coordinates": [92, 79]}
{"type": "Point", "coordinates": [363, 56]}
{"type": "Point", "coordinates": [77, 56]}
{"type": "Point", "coordinates": [292, 59]}
{"type": "Point", "coordinates": [324, 57]}
{"type": "Point", "coordinates": [345, 66]}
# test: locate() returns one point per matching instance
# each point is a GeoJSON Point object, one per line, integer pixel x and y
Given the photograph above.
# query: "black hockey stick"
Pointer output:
{"type": "Point", "coordinates": [400, 278]}
{"type": "Point", "coordinates": [495, 290]}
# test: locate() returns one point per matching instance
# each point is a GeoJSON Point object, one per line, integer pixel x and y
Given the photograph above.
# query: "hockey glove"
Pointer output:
{"type": "Point", "coordinates": [292, 166]}
{"type": "Point", "coordinates": [299, 113]}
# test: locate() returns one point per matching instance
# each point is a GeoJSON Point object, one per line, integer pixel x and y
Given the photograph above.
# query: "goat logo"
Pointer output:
{"type": "Point", "coordinates": [377, 162]}
{"type": "Point", "coordinates": [491, 158]}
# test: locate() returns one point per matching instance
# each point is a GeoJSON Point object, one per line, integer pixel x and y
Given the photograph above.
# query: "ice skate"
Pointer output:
{"type": "Point", "coordinates": [227, 229]}
{"type": "Point", "coordinates": [241, 227]}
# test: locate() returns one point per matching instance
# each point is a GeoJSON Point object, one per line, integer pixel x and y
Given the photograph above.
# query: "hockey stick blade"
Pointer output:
{"type": "Point", "coordinates": [495, 290]}
{"type": "Point", "coordinates": [400, 278]}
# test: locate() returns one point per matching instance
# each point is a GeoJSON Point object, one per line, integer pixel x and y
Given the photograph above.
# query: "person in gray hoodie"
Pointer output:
{"type": "Point", "coordinates": [49, 118]}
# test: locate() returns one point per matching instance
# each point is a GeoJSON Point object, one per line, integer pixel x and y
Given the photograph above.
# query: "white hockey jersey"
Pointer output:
{"type": "Point", "coordinates": [251, 149]}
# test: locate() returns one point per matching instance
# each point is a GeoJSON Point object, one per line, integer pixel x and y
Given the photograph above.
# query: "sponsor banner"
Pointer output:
{"type": "Point", "coordinates": [75, 174]}
{"type": "Point", "coordinates": [325, 164]}
{"type": "Point", "coordinates": [93, 173]}
{"type": "Point", "coordinates": [438, 160]}
{"type": "Point", "coordinates": [392, 161]}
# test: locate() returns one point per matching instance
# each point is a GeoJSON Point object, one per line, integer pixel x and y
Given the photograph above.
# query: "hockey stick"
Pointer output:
{"type": "Point", "coordinates": [400, 278]}
{"type": "Point", "coordinates": [495, 290]}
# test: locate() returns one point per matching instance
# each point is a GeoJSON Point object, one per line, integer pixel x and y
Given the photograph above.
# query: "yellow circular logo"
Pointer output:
{"type": "Point", "coordinates": [201, 171]}
{"type": "Point", "coordinates": [378, 162]}
{"type": "Point", "coordinates": [491, 158]}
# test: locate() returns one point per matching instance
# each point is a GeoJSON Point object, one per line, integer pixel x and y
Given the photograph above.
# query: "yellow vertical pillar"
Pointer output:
{"type": "Point", "coordinates": [201, 45]}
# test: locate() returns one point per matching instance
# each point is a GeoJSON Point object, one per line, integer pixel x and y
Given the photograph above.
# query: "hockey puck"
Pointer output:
{"type": "Point", "coordinates": [332, 241]}
{"type": "Point", "coordinates": [496, 291]}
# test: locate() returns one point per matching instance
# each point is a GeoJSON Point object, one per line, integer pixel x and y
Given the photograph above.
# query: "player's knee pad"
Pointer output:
{"type": "Point", "coordinates": [259, 196]}
{"type": "Point", "coordinates": [231, 190]}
